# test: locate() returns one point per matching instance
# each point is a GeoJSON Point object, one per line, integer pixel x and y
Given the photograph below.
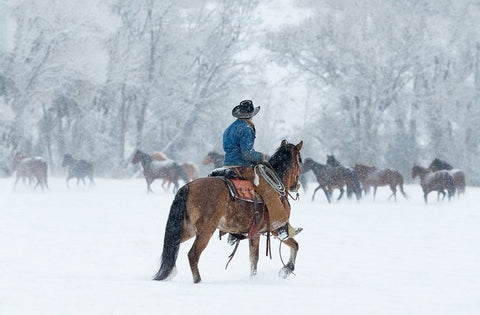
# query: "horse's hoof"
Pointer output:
{"type": "Point", "coordinates": [284, 272]}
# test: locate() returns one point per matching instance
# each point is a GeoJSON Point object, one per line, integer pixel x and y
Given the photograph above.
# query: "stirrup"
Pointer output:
{"type": "Point", "coordinates": [288, 231]}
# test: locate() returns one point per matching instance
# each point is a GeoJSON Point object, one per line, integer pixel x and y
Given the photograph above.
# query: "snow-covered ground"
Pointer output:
{"type": "Point", "coordinates": [94, 250]}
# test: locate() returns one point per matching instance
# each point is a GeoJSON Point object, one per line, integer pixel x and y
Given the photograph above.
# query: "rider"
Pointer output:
{"type": "Point", "coordinates": [238, 141]}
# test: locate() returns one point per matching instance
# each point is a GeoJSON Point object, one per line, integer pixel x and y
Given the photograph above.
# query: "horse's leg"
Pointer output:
{"type": "Point", "coordinates": [149, 181]}
{"type": "Point", "coordinates": [425, 196]}
{"type": "Point", "coordinates": [315, 191]}
{"type": "Point", "coordinates": [68, 178]}
{"type": "Point", "coordinates": [326, 194]}
{"type": "Point", "coordinates": [200, 243]}
{"type": "Point", "coordinates": [163, 184]}
{"type": "Point", "coordinates": [84, 182]}
{"type": "Point", "coordinates": [393, 188]}
{"type": "Point", "coordinates": [341, 193]}
{"type": "Point", "coordinates": [175, 186]}
{"type": "Point", "coordinates": [254, 245]}
{"type": "Point", "coordinates": [290, 266]}
{"type": "Point", "coordinates": [374, 192]}
{"type": "Point", "coordinates": [16, 181]}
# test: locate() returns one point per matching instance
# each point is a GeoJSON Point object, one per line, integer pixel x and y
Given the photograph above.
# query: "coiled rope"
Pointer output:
{"type": "Point", "coordinates": [271, 178]}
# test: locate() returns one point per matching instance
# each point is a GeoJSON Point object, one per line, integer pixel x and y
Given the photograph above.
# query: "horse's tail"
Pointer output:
{"type": "Point", "coordinates": [173, 234]}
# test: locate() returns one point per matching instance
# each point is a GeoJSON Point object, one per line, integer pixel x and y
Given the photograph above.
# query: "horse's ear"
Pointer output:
{"type": "Point", "coordinates": [284, 143]}
{"type": "Point", "coordinates": [299, 145]}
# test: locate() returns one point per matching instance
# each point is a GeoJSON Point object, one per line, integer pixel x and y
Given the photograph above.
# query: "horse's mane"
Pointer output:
{"type": "Point", "coordinates": [282, 159]}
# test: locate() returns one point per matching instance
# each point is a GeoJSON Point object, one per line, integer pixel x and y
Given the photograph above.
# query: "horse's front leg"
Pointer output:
{"type": "Point", "coordinates": [341, 193]}
{"type": "Point", "coordinates": [290, 266]}
{"type": "Point", "coordinates": [149, 181]}
{"type": "Point", "coordinates": [254, 245]}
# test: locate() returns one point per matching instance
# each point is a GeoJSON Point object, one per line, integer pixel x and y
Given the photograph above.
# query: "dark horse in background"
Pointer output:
{"type": "Point", "coordinates": [354, 186]}
{"type": "Point", "coordinates": [328, 178]}
{"type": "Point", "coordinates": [370, 176]}
{"type": "Point", "coordinates": [78, 169]}
{"type": "Point", "coordinates": [153, 169]}
{"type": "Point", "coordinates": [214, 158]}
{"type": "Point", "coordinates": [204, 205]}
{"type": "Point", "coordinates": [31, 168]}
{"type": "Point", "coordinates": [434, 181]}
{"type": "Point", "coordinates": [457, 174]}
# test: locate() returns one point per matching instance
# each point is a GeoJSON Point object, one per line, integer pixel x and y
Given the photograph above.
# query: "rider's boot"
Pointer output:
{"type": "Point", "coordinates": [288, 231]}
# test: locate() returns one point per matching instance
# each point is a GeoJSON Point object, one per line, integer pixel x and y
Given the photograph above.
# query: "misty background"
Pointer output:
{"type": "Point", "coordinates": [386, 83]}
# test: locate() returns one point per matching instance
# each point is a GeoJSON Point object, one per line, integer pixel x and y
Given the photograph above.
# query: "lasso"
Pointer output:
{"type": "Point", "coordinates": [271, 178]}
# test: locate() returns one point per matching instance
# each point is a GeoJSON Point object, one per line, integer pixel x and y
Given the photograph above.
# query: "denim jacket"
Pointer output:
{"type": "Point", "coordinates": [238, 140]}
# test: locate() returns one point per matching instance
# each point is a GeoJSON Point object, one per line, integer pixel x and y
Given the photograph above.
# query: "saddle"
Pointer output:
{"type": "Point", "coordinates": [239, 188]}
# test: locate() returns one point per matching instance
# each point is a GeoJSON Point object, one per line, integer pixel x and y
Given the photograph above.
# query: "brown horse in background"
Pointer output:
{"type": "Point", "coordinates": [214, 158]}
{"type": "Point", "coordinates": [31, 168]}
{"type": "Point", "coordinates": [190, 169]}
{"type": "Point", "coordinates": [153, 169]}
{"type": "Point", "coordinates": [457, 174]}
{"type": "Point", "coordinates": [370, 176]}
{"type": "Point", "coordinates": [204, 205]}
{"type": "Point", "coordinates": [434, 181]}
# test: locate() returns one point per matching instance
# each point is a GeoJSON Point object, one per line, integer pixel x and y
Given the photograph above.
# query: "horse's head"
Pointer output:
{"type": "Point", "coordinates": [137, 157]}
{"type": "Point", "coordinates": [438, 165]}
{"type": "Point", "coordinates": [67, 160]}
{"type": "Point", "coordinates": [306, 165]}
{"type": "Point", "coordinates": [418, 171]}
{"type": "Point", "coordinates": [16, 160]}
{"type": "Point", "coordinates": [332, 161]}
{"type": "Point", "coordinates": [287, 163]}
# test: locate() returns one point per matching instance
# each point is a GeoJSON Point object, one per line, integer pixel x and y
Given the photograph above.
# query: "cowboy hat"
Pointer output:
{"type": "Point", "coordinates": [245, 109]}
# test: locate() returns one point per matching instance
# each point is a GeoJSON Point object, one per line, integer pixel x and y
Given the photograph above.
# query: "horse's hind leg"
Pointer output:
{"type": "Point", "coordinates": [290, 266]}
{"type": "Point", "coordinates": [341, 193]}
{"type": "Point", "coordinates": [200, 243]}
{"type": "Point", "coordinates": [314, 192]}
{"type": "Point", "coordinates": [394, 193]}
{"type": "Point", "coordinates": [254, 245]}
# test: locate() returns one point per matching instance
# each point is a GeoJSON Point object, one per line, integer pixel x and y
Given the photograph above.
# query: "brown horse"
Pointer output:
{"type": "Point", "coordinates": [353, 184]}
{"type": "Point", "coordinates": [190, 169]}
{"type": "Point", "coordinates": [434, 181]}
{"type": "Point", "coordinates": [214, 158]}
{"type": "Point", "coordinates": [31, 168]}
{"type": "Point", "coordinates": [153, 169]}
{"type": "Point", "coordinates": [370, 176]}
{"type": "Point", "coordinates": [204, 205]}
{"type": "Point", "coordinates": [457, 174]}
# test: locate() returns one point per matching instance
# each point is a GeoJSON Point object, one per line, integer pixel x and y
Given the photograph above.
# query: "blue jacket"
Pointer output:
{"type": "Point", "coordinates": [238, 140]}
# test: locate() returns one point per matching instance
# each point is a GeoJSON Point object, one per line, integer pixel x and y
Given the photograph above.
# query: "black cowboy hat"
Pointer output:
{"type": "Point", "coordinates": [245, 109]}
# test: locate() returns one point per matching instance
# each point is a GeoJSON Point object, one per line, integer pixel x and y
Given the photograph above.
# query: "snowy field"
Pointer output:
{"type": "Point", "coordinates": [94, 250]}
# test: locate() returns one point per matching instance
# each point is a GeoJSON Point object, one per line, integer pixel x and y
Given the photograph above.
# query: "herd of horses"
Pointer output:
{"type": "Point", "coordinates": [356, 181]}
{"type": "Point", "coordinates": [439, 176]}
